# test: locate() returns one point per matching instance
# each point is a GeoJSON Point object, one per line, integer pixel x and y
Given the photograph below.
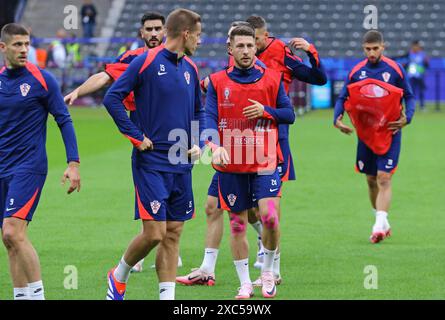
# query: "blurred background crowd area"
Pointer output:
{"type": "Point", "coordinates": [414, 34]}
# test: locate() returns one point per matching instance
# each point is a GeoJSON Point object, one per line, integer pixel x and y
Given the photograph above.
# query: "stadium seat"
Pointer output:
{"type": "Point", "coordinates": [325, 20]}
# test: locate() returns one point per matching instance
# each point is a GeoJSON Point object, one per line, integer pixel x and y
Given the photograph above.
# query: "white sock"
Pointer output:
{"type": "Point", "coordinates": [166, 291]}
{"type": "Point", "coordinates": [276, 264]}
{"type": "Point", "coordinates": [242, 268]}
{"type": "Point", "coordinates": [21, 293]}
{"type": "Point", "coordinates": [381, 219]}
{"type": "Point", "coordinates": [209, 261]}
{"type": "Point", "coordinates": [122, 271]}
{"type": "Point", "coordinates": [269, 256]}
{"type": "Point", "coordinates": [258, 227]}
{"type": "Point", "coordinates": [36, 291]}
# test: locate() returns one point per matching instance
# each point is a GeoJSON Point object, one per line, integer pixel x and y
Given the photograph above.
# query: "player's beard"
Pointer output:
{"type": "Point", "coordinates": [376, 59]}
{"type": "Point", "coordinates": [19, 62]}
{"type": "Point", "coordinates": [245, 62]}
{"type": "Point", "coordinates": [152, 43]}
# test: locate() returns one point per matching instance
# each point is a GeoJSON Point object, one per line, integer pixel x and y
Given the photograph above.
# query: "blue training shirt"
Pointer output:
{"type": "Point", "coordinates": [27, 95]}
{"type": "Point", "coordinates": [168, 99]}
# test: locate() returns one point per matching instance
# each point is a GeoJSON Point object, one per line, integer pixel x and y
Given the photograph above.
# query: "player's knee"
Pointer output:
{"type": "Point", "coordinates": [269, 215]}
{"type": "Point", "coordinates": [211, 209]}
{"type": "Point", "coordinates": [237, 225]}
{"type": "Point", "coordinates": [11, 238]}
{"type": "Point", "coordinates": [384, 180]}
{"type": "Point", "coordinates": [173, 233]}
{"type": "Point", "coordinates": [372, 182]}
{"type": "Point", "coordinates": [155, 236]}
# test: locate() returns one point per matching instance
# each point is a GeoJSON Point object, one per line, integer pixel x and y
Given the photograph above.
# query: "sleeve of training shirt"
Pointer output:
{"type": "Point", "coordinates": [315, 75]}
{"type": "Point", "coordinates": [339, 108]}
{"type": "Point", "coordinates": [199, 113]}
{"type": "Point", "coordinates": [57, 107]}
{"type": "Point", "coordinates": [117, 93]}
{"type": "Point", "coordinates": [408, 96]}
{"type": "Point", "coordinates": [284, 113]}
{"type": "Point", "coordinates": [211, 110]}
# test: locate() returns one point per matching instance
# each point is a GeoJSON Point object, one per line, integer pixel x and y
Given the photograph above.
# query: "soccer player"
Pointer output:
{"type": "Point", "coordinates": [377, 85]}
{"type": "Point", "coordinates": [205, 274]}
{"type": "Point", "coordinates": [152, 32]}
{"type": "Point", "coordinates": [276, 55]}
{"type": "Point", "coordinates": [244, 104]}
{"type": "Point", "coordinates": [167, 95]}
{"type": "Point", "coordinates": [27, 95]}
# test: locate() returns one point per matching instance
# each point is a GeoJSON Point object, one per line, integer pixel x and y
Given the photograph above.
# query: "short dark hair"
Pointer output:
{"type": "Point", "coordinates": [373, 36]}
{"type": "Point", "coordinates": [240, 23]}
{"type": "Point", "coordinates": [152, 15]}
{"type": "Point", "coordinates": [181, 20]}
{"type": "Point", "coordinates": [242, 31]}
{"type": "Point", "coordinates": [13, 29]}
{"type": "Point", "coordinates": [257, 22]}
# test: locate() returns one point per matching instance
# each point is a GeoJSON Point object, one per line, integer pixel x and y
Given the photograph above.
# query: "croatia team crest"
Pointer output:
{"type": "Point", "coordinates": [155, 205]}
{"type": "Point", "coordinates": [187, 77]}
{"type": "Point", "coordinates": [232, 199]}
{"type": "Point", "coordinates": [386, 76]}
{"type": "Point", "coordinates": [24, 89]}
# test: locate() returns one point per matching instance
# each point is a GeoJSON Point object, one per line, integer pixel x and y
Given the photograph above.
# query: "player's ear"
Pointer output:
{"type": "Point", "coordinates": [2, 46]}
{"type": "Point", "coordinates": [186, 34]}
{"type": "Point", "coordinates": [230, 48]}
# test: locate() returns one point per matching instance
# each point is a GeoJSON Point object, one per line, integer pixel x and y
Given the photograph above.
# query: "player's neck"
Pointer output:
{"type": "Point", "coordinates": [376, 62]}
{"type": "Point", "coordinates": [11, 66]}
{"type": "Point", "coordinates": [243, 68]}
{"type": "Point", "coordinates": [175, 46]}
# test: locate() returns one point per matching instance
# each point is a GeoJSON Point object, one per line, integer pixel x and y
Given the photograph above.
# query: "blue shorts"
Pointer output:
{"type": "Point", "coordinates": [163, 196]}
{"type": "Point", "coordinates": [369, 163]}
{"type": "Point", "coordinates": [20, 195]}
{"type": "Point", "coordinates": [239, 192]}
{"type": "Point", "coordinates": [213, 188]}
{"type": "Point", "coordinates": [286, 169]}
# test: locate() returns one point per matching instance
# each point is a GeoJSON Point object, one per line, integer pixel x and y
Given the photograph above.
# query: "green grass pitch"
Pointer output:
{"type": "Point", "coordinates": [326, 219]}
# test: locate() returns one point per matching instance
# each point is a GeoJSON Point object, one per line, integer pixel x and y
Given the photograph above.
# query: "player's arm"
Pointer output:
{"type": "Point", "coordinates": [410, 105]}
{"type": "Point", "coordinates": [282, 114]}
{"type": "Point", "coordinates": [219, 154]}
{"type": "Point", "coordinates": [200, 116]}
{"type": "Point", "coordinates": [92, 84]}
{"type": "Point", "coordinates": [115, 107]}
{"type": "Point", "coordinates": [315, 74]}
{"type": "Point", "coordinates": [339, 110]}
{"type": "Point", "coordinates": [57, 107]}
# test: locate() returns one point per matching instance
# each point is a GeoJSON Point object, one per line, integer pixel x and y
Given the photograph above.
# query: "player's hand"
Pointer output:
{"type": "Point", "coordinates": [71, 97]}
{"type": "Point", "coordinates": [343, 128]}
{"type": "Point", "coordinates": [299, 43]}
{"type": "Point", "coordinates": [73, 175]}
{"type": "Point", "coordinates": [146, 145]}
{"type": "Point", "coordinates": [254, 111]}
{"type": "Point", "coordinates": [220, 157]}
{"type": "Point", "coordinates": [395, 126]}
{"type": "Point", "coordinates": [194, 153]}
{"type": "Point", "coordinates": [205, 83]}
